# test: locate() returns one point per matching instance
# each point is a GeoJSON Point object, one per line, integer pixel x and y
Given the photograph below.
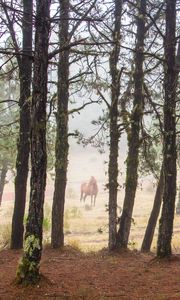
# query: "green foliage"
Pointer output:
{"type": "Point", "coordinates": [150, 156]}
{"type": "Point", "coordinates": [9, 89]}
{"type": "Point", "coordinates": [100, 140]}
{"type": "Point", "coordinates": [46, 224]}
{"type": "Point", "coordinates": [47, 218]}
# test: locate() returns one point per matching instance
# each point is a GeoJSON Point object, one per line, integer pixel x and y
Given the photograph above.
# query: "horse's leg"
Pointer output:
{"type": "Point", "coordinates": [95, 199]}
{"type": "Point", "coordinates": [81, 196]}
{"type": "Point", "coordinates": [85, 195]}
{"type": "Point", "coordinates": [91, 200]}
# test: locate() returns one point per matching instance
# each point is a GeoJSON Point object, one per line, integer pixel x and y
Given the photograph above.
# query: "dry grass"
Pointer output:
{"type": "Point", "coordinates": [87, 229]}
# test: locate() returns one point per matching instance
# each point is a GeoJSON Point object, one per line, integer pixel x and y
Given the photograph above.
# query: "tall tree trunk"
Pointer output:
{"type": "Point", "coordinates": [25, 73]}
{"type": "Point", "coordinates": [114, 132]}
{"type": "Point", "coordinates": [133, 136]}
{"type": "Point", "coordinates": [148, 237]}
{"type": "Point", "coordinates": [57, 236]}
{"type": "Point", "coordinates": [3, 178]}
{"type": "Point", "coordinates": [169, 151]}
{"type": "Point", "coordinates": [28, 271]}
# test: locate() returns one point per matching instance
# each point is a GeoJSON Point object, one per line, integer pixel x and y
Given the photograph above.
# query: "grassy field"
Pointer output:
{"type": "Point", "coordinates": [86, 227]}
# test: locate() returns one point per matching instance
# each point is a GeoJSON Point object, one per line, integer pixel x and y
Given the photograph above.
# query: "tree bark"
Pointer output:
{"type": "Point", "coordinates": [169, 151]}
{"type": "Point", "coordinates": [62, 147]}
{"type": "Point", "coordinates": [3, 178]}
{"type": "Point", "coordinates": [28, 271]}
{"type": "Point", "coordinates": [114, 132]}
{"type": "Point", "coordinates": [25, 73]}
{"type": "Point", "coordinates": [133, 136]}
{"type": "Point", "coordinates": [148, 237]}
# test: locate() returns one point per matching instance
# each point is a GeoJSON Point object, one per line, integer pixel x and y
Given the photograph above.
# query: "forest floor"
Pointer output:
{"type": "Point", "coordinates": [84, 270]}
{"type": "Point", "coordinates": [70, 274]}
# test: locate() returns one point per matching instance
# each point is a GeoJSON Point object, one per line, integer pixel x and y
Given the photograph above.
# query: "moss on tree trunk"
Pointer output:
{"type": "Point", "coordinates": [169, 150]}
{"type": "Point", "coordinates": [62, 147]}
{"type": "Point", "coordinates": [23, 149]}
{"type": "Point", "coordinates": [134, 134]}
{"type": "Point", "coordinates": [28, 269]}
{"type": "Point", "coordinates": [114, 131]}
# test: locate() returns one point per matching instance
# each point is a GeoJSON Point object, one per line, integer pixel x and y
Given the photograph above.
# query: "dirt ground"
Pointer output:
{"type": "Point", "coordinates": [89, 273]}
{"type": "Point", "coordinates": [70, 274]}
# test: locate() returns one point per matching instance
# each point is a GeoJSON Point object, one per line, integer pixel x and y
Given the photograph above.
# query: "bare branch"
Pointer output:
{"type": "Point", "coordinates": [78, 109]}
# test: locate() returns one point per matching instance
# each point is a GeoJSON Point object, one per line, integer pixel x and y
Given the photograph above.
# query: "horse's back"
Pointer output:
{"type": "Point", "coordinates": [90, 188]}
{"type": "Point", "coordinates": [84, 187]}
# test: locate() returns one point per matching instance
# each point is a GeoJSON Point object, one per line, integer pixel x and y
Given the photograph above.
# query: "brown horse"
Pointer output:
{"type": "Point", "coordinates": [89, 189]}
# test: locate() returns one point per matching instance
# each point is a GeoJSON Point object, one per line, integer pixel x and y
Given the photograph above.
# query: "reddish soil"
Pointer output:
{"type": "Point", "coordinates": [69, 274]}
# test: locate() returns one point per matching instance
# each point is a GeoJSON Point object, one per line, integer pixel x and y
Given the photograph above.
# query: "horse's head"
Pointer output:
{"type": "Point", "coordinates": [93, 185]}
{"type": "Point", "coordinates": [92, 180]}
